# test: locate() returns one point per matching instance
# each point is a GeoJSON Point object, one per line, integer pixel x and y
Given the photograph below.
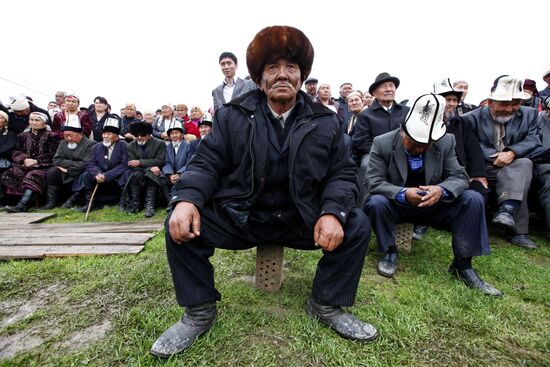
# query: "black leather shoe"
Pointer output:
{"type": "Point", "coordinates": [522, 240]}
{"type": "Point", "coordinates": [387, 266]}
{"type": "Point", "coordinates": [419, 231]}
{"type": "Point", "coordinates": [344, 323]}
{"type": "Point", "coordinates": [196, 321]}
{"type": "Point", "coordinates": [504, 217]}
{"type": "Point", "coordinates": [472, 280]}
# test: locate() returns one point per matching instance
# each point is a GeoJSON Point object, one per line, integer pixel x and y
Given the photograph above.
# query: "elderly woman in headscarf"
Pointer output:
{"type": "Point", "coordinates": [31, 158]}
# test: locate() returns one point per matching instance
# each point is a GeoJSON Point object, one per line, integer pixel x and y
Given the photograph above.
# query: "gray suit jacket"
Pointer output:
{"type": "Point", "coordinates": [388, 167]}
{"type": "Point", "coordinates": [241, 87]}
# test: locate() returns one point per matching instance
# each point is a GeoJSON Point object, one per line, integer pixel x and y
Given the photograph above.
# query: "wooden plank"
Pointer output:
{"type": "Point", "coordinates": [60, 238]}
{"type": "Point", "coordinates": [121, 227]}
{"type": "Point", "coordinates": [39, 252]}
{"type": "Point", "coordinates": [24, 218]}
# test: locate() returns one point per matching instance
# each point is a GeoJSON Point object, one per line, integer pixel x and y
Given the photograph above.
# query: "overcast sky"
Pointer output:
{"type": "Point", "coordinates": [156, 52]}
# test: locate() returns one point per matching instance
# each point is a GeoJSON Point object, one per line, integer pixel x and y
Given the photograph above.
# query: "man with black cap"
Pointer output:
{"type": "Point", "coordinates": [311, 87]}
{"type": "Point", "coordinates": [69, 162]}
{"type": "Point", "coordinates": [414, 176]}
{"type": "Point", "coordinates": [383, 116]}
{"type": "Point", "coordinates": [146, 156]}
{"type": "Point", "coordinates": [507, 133]}
{"type": "Point", "coordinates": [107, 168]}
{"type": "Point", "coordinates": [275, 169]}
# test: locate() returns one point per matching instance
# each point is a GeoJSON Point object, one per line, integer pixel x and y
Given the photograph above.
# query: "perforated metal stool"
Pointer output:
{"type": "Point", "coordinates": [269, 267]}
{"type": "Point", "coordinates": [404, 236]}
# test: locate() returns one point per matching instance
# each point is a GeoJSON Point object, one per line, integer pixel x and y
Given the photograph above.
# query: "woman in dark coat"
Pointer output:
{"type": "Point", "coordinates": [31, 157]}
{"type": "Point", "coordinates": [7, 143]}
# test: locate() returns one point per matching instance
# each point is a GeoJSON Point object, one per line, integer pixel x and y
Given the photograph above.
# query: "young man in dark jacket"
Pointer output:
{"type": "Point", "coordinates": [275, 169]}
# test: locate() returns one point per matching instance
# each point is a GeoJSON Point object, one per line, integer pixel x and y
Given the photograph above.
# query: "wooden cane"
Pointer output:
{"type": "Point", "coordinates": [91, 201]}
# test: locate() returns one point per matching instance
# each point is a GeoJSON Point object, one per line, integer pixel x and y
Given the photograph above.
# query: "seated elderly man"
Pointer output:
{"type": "Point", "coordinates": [106, 170]}
{"type": "Point", "coordinates": [178, 154]}
{"type": "Point", "coordinates": [414, 176]}
{"type": "Point", "coordinates": [146, 156]}
{"type": "Point", "coordinates": [69, 162]}
{"type": "Point", "coordinates": [32, 156]}
{"type": "Point", "coordinates": [275, 169]}
{"type": "Point", "coordinates": [507, 133]}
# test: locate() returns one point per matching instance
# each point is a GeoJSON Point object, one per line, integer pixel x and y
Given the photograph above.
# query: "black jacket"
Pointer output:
{"type": "Point", "coordinates": [373, 122]}
{"type": "Point", "coordinates": [230, 165]}
{"type": "Point", "coordinates": [468, 151]}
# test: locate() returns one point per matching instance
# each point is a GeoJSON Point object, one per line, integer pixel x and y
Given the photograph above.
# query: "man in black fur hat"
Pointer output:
{"type": "Point", "coordinates": [146, 156]}
{"type": "Point", "coordinates": [275, 169]}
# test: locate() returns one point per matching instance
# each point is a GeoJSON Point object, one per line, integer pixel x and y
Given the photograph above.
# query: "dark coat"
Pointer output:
{"type": "Point", "coordinates": [177, 163]}
{"type": "Point", "coordinates": [19, 123]}
{"type": "Point", "coordinates": [375, 121]}
{"type": "Point", "coordinates": [229, 166]}
{"type": "Point", "coordinates": [242, 86]}
{"type": "Point", "coordinates": [42, 147]}
{"type": "Point", "coordinates": [388, 166]}
{"type": "Point", "coordinates": [116, 168]}
{"type": "Point", "coordinates": [521, 132]}
{"type": "Point", "coordinates": [97, 125]}
{"type": "Point", "coordinates": [8, 140]}
{"type": "Point", "coordinates": [468, 151]}
{"type": "Point", "coordinates": [154, 155]}
{"type": "Point", "coordinates": [59, 120]}
{"type": "Point", "coordinates": [74, 160]}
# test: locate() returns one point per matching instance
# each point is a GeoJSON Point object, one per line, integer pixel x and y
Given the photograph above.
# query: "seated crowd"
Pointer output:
{"type": "Point", "coordinates": [293, 168]}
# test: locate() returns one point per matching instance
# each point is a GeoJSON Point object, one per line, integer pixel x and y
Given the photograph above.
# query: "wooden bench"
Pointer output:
{"type": "Point", "coordinates": [269, 259]}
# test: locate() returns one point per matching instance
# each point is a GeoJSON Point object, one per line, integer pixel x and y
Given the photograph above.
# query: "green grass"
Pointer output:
{"type": "Point", "coordinates": [424, 316]}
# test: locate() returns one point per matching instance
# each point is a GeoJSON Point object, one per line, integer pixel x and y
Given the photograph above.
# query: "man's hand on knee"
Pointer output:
{"type": "Point", "coordinates": [503, 159]}
{"type": "Point", "coordinates": [185, 222]}
{"type": "Point", "coordinates": [328, 232]}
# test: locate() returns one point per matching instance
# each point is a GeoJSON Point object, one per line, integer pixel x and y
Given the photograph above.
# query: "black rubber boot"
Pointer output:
{"type": "Point", "coordinates": [72, 200]}
{"type": "Point", "coordinates": [23, 204]}
{"type": "Point", "coordinates": [51, 198]}
{"type": "Point", "coordinates": [87, 198]}
{"type": "Point", "coordinates": [150, 200]}
{"type": "Point", "coordinates": [136, 192]}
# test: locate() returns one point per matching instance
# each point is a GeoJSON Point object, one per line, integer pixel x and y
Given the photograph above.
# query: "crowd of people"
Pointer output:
{"type": "Point", "coordinates": [272, 163]}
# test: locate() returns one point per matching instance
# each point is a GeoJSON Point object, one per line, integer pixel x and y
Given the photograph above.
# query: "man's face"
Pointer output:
{"type": "Point", "coordinates": [130, 111]}
{"type": "Point", "coordinates": [36, 123]}
{"type": "Point", "coordinates": [205, 130]}
{"type": "Point", "coordinates": [176, 135]}
{"type": "Point", "coordinates": [107, 135]}
{"type": "Point", "coordinates": [148, 117]}
{"type": "Point", "coordinates": [72, 136]}
{"type": "Point", "coordinates": [142, 138]}
{"type": "Point", "coordinates": [59, 98]}
{"type": "Point", "coordinates": [462, 87]}
{"type": "Point", "coordinates": [385, 92]}
{"type": "Point", "coordinates": [311, 88]}
{"type": "Point", "coordinates": [503, 111]}
{"type": "Point", "coordinates": [355, 103]}
{"type": "Point", "coordinates": [324, 92]}
{"type": "Point", "coordinates": [23, 113]}
{"type": "Point", "coordinates": [52, 106]}
{"type": "Point", "coordinates": [413, 147]}
{"type": "Point", "coordinates": [229, 68]}
{"type": "Point", "coordinates": [451, 102]}
{"type": "Point", "coordinates": [281, 81]}
{"type": "Point", "coordinates": [71, 104]}
{"type": "Point", "coordinates": [345, 89]}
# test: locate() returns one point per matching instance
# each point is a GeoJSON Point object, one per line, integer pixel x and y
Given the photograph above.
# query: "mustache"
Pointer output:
{"type": "Point", "coordinates": [282, 84]}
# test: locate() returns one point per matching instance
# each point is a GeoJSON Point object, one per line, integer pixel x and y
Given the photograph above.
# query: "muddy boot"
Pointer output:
{"type": "Point", "coordinates": [23, 204]}
{"type": "Point", "coordinates": [150, 200]}
{"type": "Point", "coordinates": [72, 200]}
{"type": "Point", "coordinates": [51, 198]}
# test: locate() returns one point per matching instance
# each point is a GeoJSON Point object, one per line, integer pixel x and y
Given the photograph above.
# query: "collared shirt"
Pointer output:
{"type": "Point", "coordinates": [110, 150]}
{"type": "Point", "coordinates": [387, 108]}
{"type": "Point", "coordinates": [281, 118]}
{"type": "Point", "coordinates": [228, 90]}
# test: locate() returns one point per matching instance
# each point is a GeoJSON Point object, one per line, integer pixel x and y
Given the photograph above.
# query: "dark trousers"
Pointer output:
{"type": "Point", "coordinates": [107, 192]}
{"type": "Point", "coordinates": [54, 178]}
{"type": "Point", "coordinates": [336, 278]}
{"type": "Point", "coordinates": [465, 217]}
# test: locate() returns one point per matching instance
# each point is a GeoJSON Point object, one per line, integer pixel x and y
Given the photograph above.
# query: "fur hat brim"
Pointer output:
{"type": "Point", "coordinates": [274, 43]}
{"type": "Point", "coordinates": [139, 127]}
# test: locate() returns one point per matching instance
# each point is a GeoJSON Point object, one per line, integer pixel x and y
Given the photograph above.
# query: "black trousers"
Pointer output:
{"type": "Point", "coordinates": [54, 178]}
{"type": "Point", "coordinates": [336, 279]}
{"type": "Point", "coordinates": [465, 216]}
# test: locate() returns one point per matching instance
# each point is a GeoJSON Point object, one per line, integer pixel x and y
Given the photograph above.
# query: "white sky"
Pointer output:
{"type": "Point", "coordinates": [160, 51]}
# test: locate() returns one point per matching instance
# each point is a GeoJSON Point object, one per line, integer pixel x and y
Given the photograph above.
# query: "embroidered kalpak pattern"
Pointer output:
{"type": "Point", "coordinates": [426, 111]}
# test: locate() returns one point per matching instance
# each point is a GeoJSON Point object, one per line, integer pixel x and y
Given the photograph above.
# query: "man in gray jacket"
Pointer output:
{"type": "Point", "coordinates": [414, 176]}
{"type": "Point", "coordinates": [507, 133]}
{"type": "Point", "coordinates": [231, 87]}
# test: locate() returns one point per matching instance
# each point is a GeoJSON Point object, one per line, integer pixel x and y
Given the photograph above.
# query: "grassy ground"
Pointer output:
{"type": "Point", "coordinates": [107, 311]}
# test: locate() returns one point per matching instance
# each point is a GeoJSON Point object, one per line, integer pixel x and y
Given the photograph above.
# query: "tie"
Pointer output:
{"type": "Point", "coordinates": [281, 120]}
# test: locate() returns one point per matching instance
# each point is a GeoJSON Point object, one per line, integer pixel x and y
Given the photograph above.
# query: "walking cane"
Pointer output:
{"type": "Point", "coordinates": [91, 201]}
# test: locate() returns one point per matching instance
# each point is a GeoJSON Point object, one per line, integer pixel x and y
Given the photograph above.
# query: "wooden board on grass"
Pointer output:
{"type": "Point", "coordinates": [24, 218]}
